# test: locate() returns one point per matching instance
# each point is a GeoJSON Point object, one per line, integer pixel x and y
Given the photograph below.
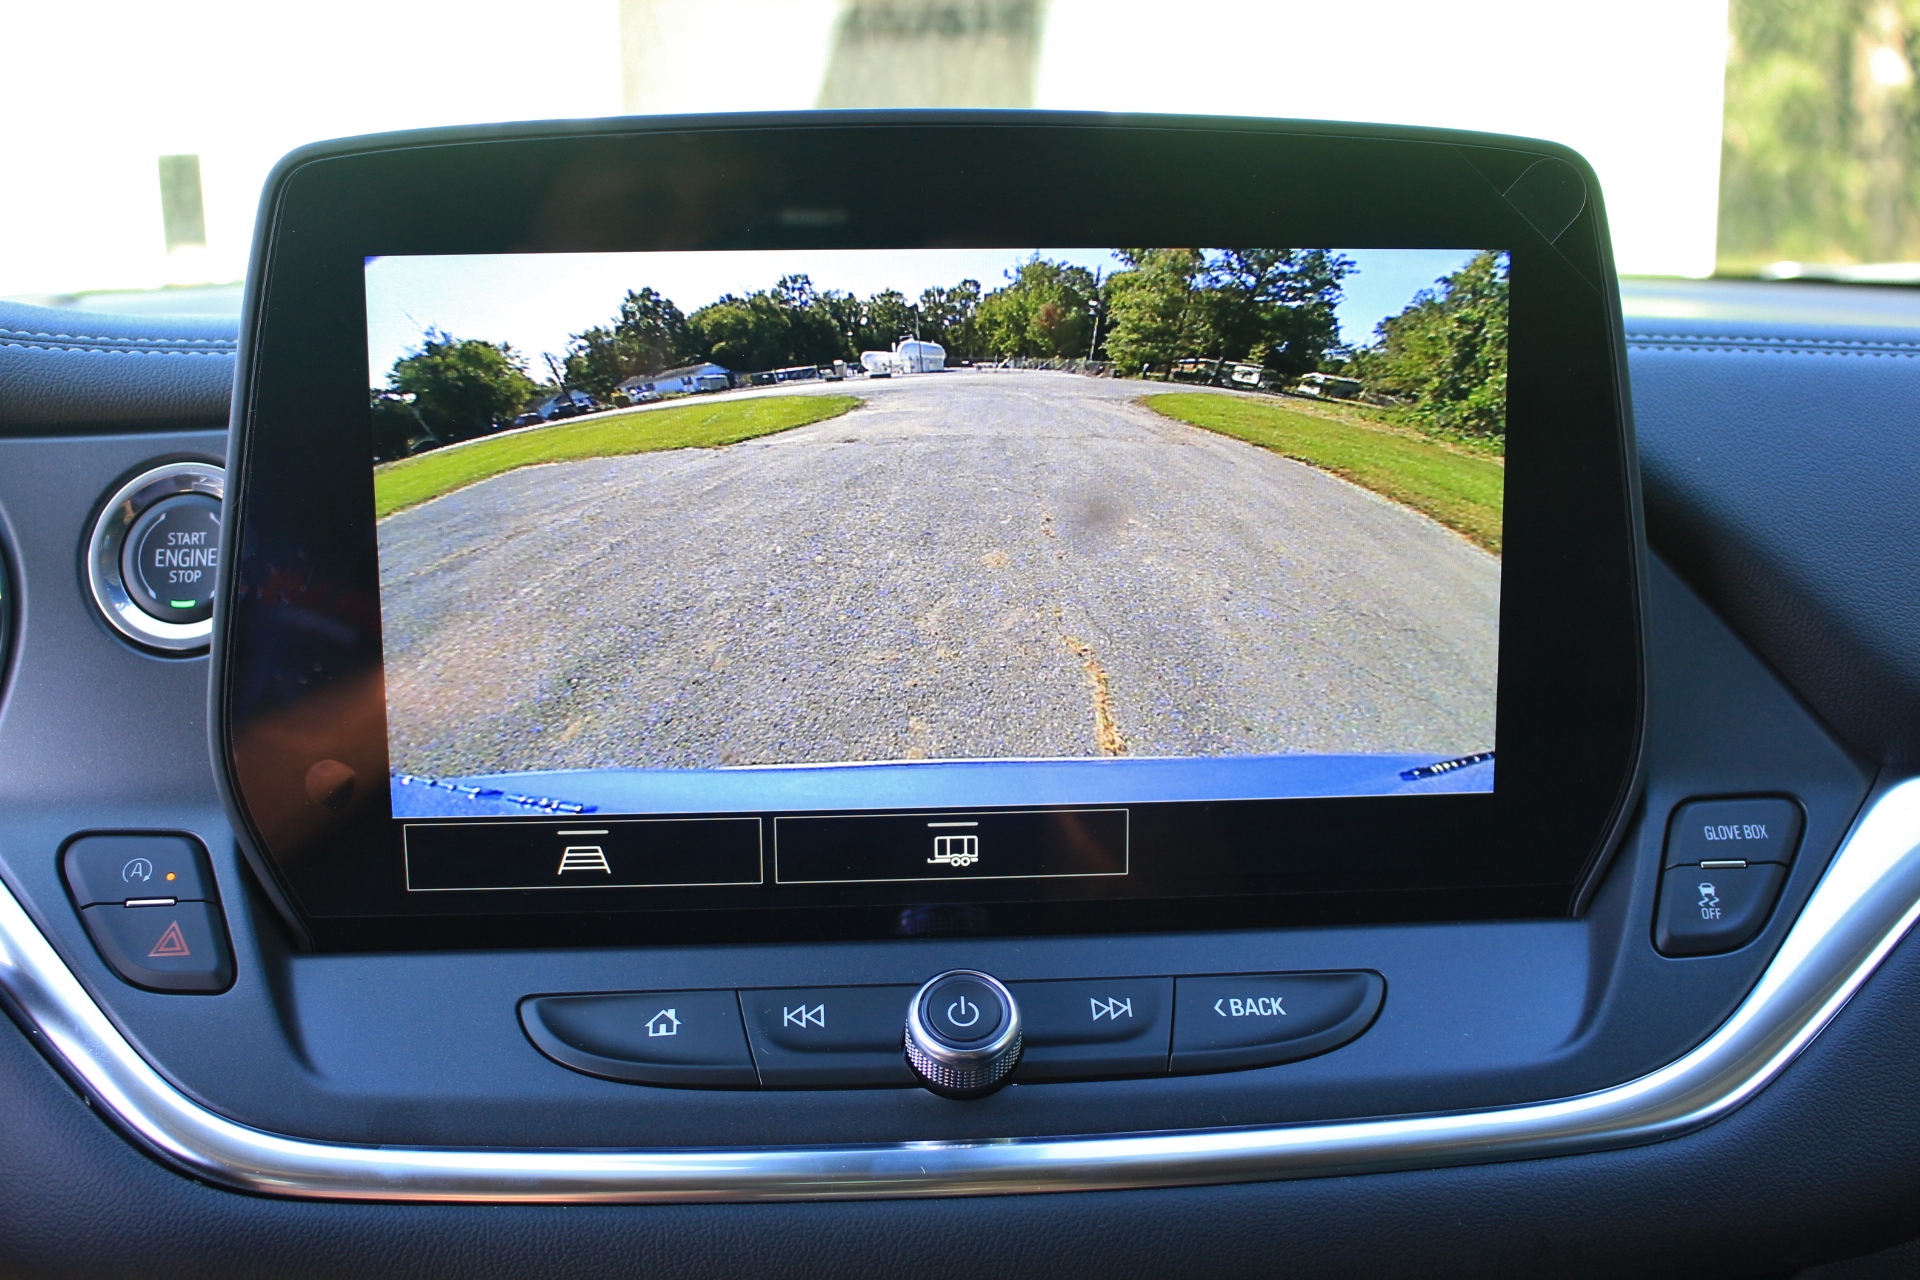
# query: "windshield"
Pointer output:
{"type": "Point", "coordinates": [1772, 138]}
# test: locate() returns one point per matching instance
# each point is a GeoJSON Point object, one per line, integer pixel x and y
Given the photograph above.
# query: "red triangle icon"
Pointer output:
{"type": "Point", "coordinates": [171, 943]}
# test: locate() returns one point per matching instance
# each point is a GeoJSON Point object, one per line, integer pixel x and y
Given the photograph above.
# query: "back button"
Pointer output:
{"type": "Point", "coordinates": [1259, 1019]}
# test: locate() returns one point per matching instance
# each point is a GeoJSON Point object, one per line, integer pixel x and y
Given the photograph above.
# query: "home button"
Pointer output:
{"type": "Point", "coordinates": [687, 1038]}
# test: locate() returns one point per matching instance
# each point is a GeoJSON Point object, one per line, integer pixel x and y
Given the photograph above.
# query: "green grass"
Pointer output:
{"type": "Point", "coordinates": [1460, 490]}
{"type": "Point", "coordinates": [705, 425]}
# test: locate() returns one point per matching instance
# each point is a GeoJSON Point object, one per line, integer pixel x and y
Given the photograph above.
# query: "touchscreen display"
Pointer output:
{"type": "Point", "coordinates": [727, 532]}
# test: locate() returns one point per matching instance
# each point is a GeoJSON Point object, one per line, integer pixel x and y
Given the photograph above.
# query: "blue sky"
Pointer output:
{"type": "Point", "coordinates": [535, 300]}
{"type": "Point", "coordinates": [1386, 282]}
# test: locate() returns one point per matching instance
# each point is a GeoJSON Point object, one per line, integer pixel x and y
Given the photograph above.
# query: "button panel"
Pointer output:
{"type": "Point", "coordinates": [150, 905]}
{"type": "Point", "coordinates": [852, 1037]}
{"type": "Point", "coordinates": [1725, 862]}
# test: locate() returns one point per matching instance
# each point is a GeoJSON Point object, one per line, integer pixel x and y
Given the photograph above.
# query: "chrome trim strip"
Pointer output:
{"type": "Point", "coordinates": [1866, 902]}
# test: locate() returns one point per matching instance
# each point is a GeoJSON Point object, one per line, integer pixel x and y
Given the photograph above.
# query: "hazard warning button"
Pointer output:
{"type": "Point", "coordinates": [164, 946]}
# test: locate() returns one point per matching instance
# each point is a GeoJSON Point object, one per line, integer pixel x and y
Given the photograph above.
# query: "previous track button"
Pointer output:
{"type": "Point", "coordinates": [828, 1037]}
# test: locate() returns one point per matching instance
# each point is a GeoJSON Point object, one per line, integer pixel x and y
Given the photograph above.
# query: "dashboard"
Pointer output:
{"type": "Point", "coordinates": [1676, 1046]}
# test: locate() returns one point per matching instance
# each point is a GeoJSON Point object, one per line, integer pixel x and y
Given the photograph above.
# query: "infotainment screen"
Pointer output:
{"type": "Point", "coordinates": [861, 527]}
{"type": "Point", "coordinates": [654, 524]}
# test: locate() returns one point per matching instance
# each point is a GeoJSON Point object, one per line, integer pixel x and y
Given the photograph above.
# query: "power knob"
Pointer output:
{"type": "Point", "coordinates": [963, 1034]}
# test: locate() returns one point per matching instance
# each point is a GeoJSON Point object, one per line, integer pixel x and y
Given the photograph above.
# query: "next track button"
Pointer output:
{"type": "Point", "coordinates": [1097, 1028]}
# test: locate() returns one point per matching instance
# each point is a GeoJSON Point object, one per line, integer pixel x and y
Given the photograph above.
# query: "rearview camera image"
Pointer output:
{"type": "Point", "coordinates": [723, 531]}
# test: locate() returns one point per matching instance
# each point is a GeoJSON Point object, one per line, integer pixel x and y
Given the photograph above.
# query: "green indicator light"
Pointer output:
{"type": "Point", "coordinates": [181, 604]}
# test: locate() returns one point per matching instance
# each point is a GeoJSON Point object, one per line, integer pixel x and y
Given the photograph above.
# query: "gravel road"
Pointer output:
{"type": "Point", "coordinates": [974, 564]}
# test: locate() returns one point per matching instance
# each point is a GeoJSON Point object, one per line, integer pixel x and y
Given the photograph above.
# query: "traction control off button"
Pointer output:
{"type": "Point", "coordinates": [1704, 911]}
{"type": "Point", "coordinates": [1260, 1019]}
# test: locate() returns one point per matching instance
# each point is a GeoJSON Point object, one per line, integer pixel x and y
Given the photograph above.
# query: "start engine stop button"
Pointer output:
{"type": "Point", "coordinates": [153, 558]}
{"type": "Point", "coordinates": [170, 556]}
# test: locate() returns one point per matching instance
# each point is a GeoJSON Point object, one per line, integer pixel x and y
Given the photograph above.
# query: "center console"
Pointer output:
{"type": "Point", "coordinates": [876, 530]}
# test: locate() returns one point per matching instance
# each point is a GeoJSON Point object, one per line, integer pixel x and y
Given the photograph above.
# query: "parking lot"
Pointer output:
{"type": "Point", "coordinates": [978, 563]}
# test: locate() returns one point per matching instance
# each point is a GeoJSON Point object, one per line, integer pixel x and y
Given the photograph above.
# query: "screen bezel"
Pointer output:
{"type": "Point", "coordinates": [297, 653]}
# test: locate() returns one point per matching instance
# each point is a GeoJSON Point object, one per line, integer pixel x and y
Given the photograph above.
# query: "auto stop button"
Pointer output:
{"type": "Point", "coordinates": [137, 867]}
{"type": "Point", "coordinates": [171, 557]}
{"type": "Point", "coordinates": [1260, 1019]}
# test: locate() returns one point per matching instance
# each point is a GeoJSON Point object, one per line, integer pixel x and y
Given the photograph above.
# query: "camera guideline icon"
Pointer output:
{"type": "Point", "coordinates": [583, 857]}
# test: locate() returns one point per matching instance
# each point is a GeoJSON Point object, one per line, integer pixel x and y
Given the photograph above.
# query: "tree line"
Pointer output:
{"type": "Point", "coordinates": [1270, 306]}
{"type": "Point", "coordinates": [1444, 358]}
{"type": "Point", "coordinates": [1273, 308]}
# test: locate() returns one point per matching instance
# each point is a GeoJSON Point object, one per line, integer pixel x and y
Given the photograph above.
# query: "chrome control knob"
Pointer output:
{"type": "Point", "coordinates": [963, 1034]}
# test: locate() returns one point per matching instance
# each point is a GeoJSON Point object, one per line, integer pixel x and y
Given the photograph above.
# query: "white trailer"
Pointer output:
{"type": "Point", "coordinates": [914, 356]}
{"type": "Point", "coordinates": [909, 355]}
